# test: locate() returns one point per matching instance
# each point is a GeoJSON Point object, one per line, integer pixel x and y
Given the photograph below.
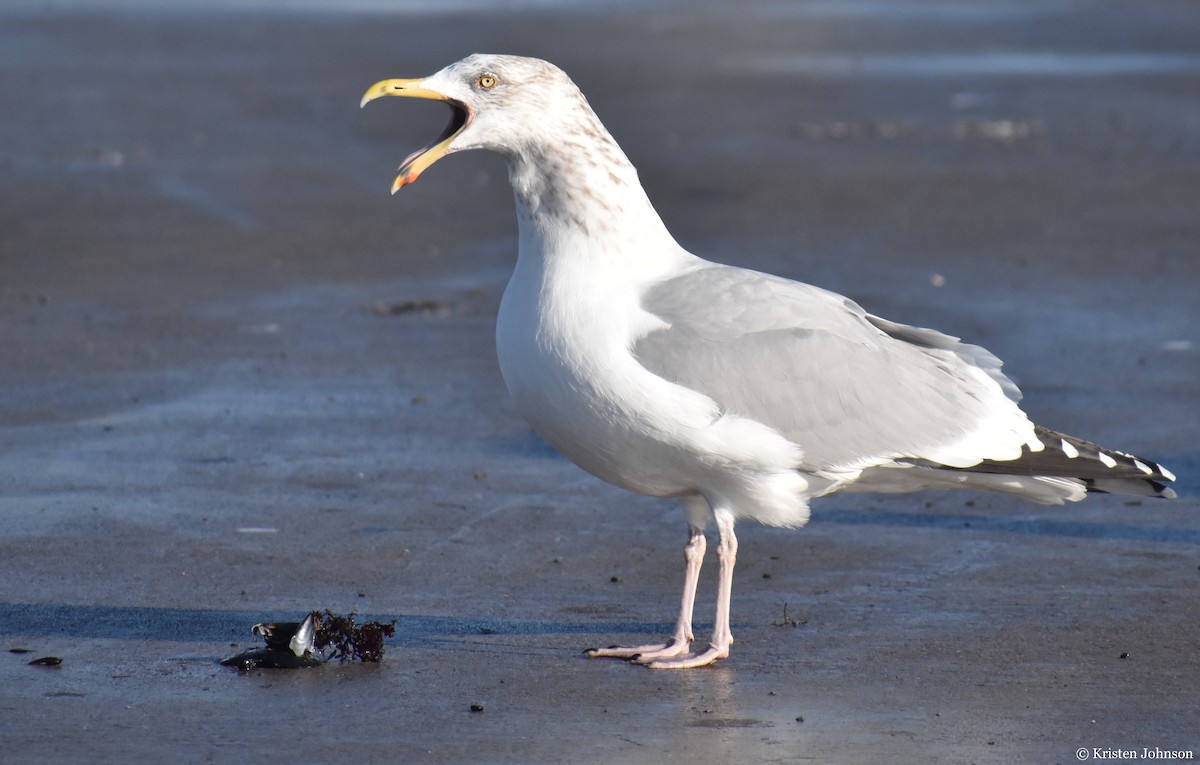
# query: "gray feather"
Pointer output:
{"type": "Point", "coordinates": [848, 387]}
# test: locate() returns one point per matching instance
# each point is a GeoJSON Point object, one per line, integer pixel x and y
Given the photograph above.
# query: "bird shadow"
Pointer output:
{"type": "Point", "coordinates": [200, 625]}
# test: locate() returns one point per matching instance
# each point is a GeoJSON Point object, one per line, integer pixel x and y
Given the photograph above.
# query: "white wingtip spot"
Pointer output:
{"type": "Point", "coordinates": [1142, 466]}
{"type": "Point", "coordinates": [1069, 450]}
{"type": "Point", "coordinates": [1107, 460]}
{"type": "Point", "coordinates": [1166, 473]}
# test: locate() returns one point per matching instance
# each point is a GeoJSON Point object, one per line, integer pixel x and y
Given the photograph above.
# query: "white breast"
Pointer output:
{"type": "Point", "coordinates": [563, 342]}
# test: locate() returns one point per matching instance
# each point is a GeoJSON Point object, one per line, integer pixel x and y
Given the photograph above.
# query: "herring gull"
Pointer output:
{"type": "Point", "coordinates": [741, 394]}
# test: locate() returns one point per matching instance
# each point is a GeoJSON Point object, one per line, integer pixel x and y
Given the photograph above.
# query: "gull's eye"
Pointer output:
{"type": "Point", "coordinates": [487, 81]}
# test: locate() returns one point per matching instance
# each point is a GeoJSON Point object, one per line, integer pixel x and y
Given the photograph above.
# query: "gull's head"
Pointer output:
{"type": "Point", "coordinates": [496, 102]}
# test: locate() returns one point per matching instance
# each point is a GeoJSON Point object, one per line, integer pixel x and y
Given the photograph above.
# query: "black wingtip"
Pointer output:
{"type": "Point", "coordinates": [1099, 469]}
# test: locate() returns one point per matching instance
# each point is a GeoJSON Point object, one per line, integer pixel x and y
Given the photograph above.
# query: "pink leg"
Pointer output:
{"type": "Point", "coordinates": [693, 555]}
{"type": "Point", "coordinates": [722, 637]}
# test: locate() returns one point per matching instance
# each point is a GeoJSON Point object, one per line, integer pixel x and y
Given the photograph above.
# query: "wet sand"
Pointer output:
{"type": "Point", "coordinates": [240, 382]}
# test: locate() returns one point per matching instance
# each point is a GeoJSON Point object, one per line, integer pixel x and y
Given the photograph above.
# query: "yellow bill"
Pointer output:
{"type": "Point", "coordinates": [414, 164]}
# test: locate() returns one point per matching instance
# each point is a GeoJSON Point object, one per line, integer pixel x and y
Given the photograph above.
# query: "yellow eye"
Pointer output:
{"type": "Point", "coordinates": [487, 81]}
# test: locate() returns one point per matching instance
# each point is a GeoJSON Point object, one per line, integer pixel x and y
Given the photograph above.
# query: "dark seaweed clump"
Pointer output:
{"type": "Point", "coordinates": [316, 639]}
{"type": "Point", "coordinates": [338, 637]}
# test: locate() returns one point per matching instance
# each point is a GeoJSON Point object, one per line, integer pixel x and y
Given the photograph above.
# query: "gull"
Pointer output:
{"type": "Point", "coordinates": [741, 394]}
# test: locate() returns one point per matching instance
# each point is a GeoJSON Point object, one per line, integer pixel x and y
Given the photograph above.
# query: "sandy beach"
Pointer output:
{"type": "Point", "coordinates": [241, 382]}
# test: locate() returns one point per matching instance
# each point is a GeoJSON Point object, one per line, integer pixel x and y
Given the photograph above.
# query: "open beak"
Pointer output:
{"type": "Point", "coordinates": [460, 117]}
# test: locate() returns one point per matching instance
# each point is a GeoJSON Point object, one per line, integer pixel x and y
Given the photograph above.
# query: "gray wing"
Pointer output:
{"type": "Point", "coordinates": [850, 388]}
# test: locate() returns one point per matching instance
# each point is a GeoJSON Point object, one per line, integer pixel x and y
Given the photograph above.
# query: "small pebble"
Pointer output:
{"type": "Point", "coordinates": [477, 707]}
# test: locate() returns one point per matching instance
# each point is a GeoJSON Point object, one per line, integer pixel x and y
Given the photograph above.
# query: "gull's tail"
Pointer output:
{"type": "Point", "coordinates": [1065, 470]}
